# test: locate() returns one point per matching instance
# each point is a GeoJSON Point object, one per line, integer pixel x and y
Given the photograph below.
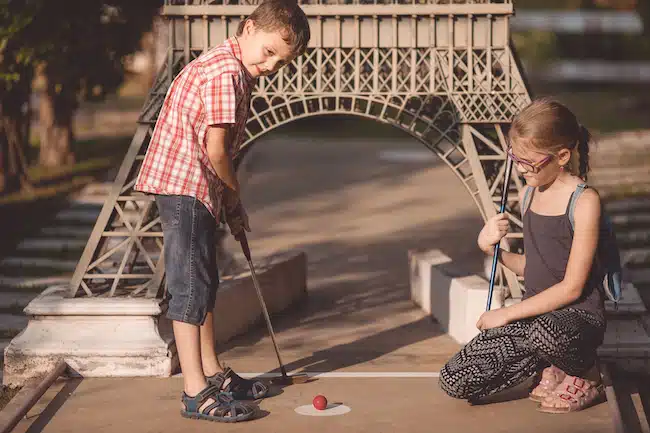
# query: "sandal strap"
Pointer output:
{"type": "Point", "coordinates": [576, 391]}
{"type": "Point", "coordinates": [239, 384]}
{"type": "Point", "coordinates": [192, 404]}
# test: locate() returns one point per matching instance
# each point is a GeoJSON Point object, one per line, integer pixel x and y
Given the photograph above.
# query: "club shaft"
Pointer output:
{"type": "Point", "coordinates": [266, 316]}
{"type": "Point", "coordinates": [495, 257]}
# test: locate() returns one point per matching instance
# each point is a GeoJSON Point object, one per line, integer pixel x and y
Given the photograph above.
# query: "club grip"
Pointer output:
{"type": "Point", "coordinates": [241, 237]}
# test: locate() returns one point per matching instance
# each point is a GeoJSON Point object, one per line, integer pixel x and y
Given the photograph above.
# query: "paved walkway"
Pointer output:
{"type": "Point", "coordinates": [356, 216]}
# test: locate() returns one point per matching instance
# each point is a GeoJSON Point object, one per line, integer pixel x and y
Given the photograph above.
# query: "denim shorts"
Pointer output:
{"type": "Point", "coordinates": [192, 278]}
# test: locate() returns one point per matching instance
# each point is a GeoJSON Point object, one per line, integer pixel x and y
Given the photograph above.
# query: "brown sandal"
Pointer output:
{"type": "Point", "coordinates": [574, 394]}
{"type": "Point", "coordinates": [551, 378]}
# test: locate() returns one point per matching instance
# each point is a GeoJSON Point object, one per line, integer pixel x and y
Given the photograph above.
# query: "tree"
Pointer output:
{"type": "Point", "coordinates": [79, 48]}
{"type": "Point", "coordinates": [84, 60]}
{"type": "Point", "coordinates": [16, 57]}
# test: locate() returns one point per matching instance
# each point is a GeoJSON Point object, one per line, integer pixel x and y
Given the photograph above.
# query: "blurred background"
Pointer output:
{"type": "Point", "coordinates": [75, 73]}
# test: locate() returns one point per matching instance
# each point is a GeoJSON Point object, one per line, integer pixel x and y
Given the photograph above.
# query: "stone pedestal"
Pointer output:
{"type": "Point", "coordinates": [97, 337]}
{"type": "Point", "coordinates": [125, 337]}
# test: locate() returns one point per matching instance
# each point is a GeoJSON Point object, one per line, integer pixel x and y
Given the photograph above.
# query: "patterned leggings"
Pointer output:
{"type": "Point", "coordinates": [500, 358]}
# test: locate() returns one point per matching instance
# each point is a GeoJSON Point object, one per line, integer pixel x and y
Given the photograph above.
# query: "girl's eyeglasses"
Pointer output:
{"type": "Point", "coordinates": [533, 167]}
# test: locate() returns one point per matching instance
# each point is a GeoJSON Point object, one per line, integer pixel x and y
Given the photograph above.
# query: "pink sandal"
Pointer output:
{"type": "Point", "coordinates": [551, 378]}
{"type": "Point", "coordinates": [574, 394]}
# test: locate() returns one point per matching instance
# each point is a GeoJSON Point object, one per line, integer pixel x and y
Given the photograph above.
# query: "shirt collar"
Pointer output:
{"type": "Point", "coordinates": [233, 43]}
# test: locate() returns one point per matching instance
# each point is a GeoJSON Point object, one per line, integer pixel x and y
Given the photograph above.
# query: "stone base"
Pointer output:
{"type": "Point", "coordinates": [454, 298]}
{"type": "Point", "coordinates": [126, 337]}
{"type": "Point", "coordinates": [97, 337]}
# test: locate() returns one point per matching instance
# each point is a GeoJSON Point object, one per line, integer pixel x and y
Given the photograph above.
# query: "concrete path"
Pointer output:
{"type": "Point", "coordinates": [377, 406]}
{"type": "Point", "coordinates": [326, 191]}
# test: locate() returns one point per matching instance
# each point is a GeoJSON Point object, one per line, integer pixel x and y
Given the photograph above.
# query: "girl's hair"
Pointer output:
{"type": "Point", "coordinates": [547, 126]}
{"type": "Point", "coordinates": [282, 15]}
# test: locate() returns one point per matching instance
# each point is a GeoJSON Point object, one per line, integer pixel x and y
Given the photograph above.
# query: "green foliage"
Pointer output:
{"type": "Point", "coordinates": [536, 47]}
{"type": "Point", "coordinates": [87, 48]}
{"type": "Point", "coordinates": [81, 43]}
{"type": "Point", "coordinates": [17, 52]}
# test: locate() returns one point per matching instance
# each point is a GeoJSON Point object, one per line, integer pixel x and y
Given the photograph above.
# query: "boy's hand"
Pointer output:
{"type": "Point", "coordinates": [495, 229]}
{"type": "Point", "coordinates": [237, 220]}
{"type": "Point", "coordinates": [493, 319]}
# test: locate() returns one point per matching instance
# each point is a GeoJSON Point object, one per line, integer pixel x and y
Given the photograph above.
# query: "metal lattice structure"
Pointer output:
{"type": "Point", "coordinates": [443, 71]}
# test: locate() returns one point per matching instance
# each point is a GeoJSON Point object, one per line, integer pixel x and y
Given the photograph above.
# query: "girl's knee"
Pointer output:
{"type": "Point", "coordinates": [452, 388]}
{"type": "Point", "coordinates": [545, 339]}
{"type": "Point", "coordinates": [456, 382]}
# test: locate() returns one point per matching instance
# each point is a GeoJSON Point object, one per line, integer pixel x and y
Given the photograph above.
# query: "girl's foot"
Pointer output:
{"type": "Point", "coordinates": [551, 378]}
{"type": "Point", "coordinates": [573, 394]}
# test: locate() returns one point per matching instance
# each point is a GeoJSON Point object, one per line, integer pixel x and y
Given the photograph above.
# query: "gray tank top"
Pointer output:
{"type": "Point", "coordinates": [547, 244]}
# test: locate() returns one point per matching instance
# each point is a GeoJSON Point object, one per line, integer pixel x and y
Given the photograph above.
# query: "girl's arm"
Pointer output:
{"type": "Point", "coordinates": [583, 250]}
{"type": "Point", "coordinates": [513, 261]}
{"type": "Point", "coordinates": [486, 241]}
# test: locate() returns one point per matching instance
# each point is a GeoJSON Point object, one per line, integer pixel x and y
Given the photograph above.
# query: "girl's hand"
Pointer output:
{"type": "Point", "coordinates": [493, 319]}
{"type": "Point", "coordinates": [493, 231]}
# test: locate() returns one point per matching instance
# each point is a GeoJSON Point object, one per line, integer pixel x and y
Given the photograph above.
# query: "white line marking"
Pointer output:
{"type": "Point", "coordinates": [346, 375]}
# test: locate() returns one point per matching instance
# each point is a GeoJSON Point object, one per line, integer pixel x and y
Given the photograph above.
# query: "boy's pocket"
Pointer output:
{"type": "Point", "coordinates": [169, 209]}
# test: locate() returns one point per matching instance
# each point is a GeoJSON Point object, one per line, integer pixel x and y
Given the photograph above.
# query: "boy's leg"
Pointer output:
{"type": "Point", "coordinates": [182, 230]}
{"type": "Point", "coordinates": [188, 230]}
{"type": "Point", "coordinates": [189, 356]}
{"type": "Point", "coordinates": [209, 358]}
{"type": "Point", "coordinates": [495, 360]}
{"type": "Point", "coordinates": [225, 378]}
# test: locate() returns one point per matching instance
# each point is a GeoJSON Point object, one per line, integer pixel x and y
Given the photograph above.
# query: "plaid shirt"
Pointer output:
{"type": "Point", "coordinates": [213, 89]}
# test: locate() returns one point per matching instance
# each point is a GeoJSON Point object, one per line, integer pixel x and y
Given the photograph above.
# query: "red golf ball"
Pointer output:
{"type": "Point", "coordinates": [320, 402]}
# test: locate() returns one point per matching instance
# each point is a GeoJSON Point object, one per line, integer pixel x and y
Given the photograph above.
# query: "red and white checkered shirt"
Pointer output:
{"type": "Point", "coordinates": [213, 89]}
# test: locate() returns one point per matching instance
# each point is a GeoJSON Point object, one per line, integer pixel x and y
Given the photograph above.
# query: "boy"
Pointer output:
{"type": "Point", "coordinates": [189, 168]}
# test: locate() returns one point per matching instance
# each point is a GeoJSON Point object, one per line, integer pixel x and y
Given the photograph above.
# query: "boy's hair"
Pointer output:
{"type": "Point", "coordinates": [548, 127]}
{"type": "Point", "coordinates": [283, 15]}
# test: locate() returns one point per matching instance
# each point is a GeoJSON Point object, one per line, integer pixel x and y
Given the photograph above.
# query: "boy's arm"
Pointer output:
{"type": "Point", "coordinates": [583, 249]}
{"type": "Point", "coordinates": [218, 153]}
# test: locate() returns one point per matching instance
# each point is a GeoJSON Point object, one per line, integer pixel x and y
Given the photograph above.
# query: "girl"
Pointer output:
{"type": "Point", "coordinates": [560, 322]}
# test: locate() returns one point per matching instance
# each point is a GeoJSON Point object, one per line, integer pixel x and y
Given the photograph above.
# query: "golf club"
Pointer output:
{"type": "Point", "coordinates": [286, 379]}
{"type": "Point", "coordinates": [502, 209]}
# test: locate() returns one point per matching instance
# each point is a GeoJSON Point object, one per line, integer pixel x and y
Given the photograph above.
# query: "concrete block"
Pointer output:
{"type": "Point", "coordinates": [453, 297]}
{"type": "Point", "coordinates": [283, 280]}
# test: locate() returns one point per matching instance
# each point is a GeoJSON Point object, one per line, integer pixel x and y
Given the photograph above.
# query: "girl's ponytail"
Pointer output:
{"type": "Point", "coordinates": [583, 152]}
